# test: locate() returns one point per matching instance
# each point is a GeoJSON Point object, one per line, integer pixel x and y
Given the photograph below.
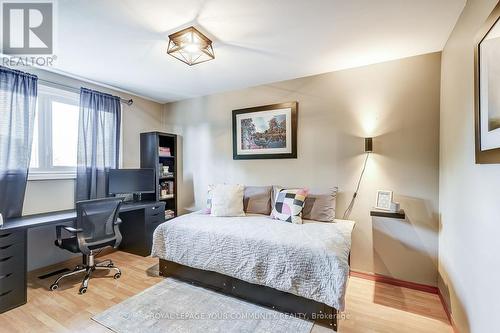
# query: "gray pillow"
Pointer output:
{"type": "Point", "coordinates": [320, 205]}
{"type": "Point", "coordinates": [257, 200]}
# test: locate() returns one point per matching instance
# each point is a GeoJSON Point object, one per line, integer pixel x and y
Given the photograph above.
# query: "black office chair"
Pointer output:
{"type": "Point", "coordinates": [96, 227]}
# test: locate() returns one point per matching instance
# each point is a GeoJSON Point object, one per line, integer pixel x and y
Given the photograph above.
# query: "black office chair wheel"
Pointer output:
{"type": "Point", "coordinates": [82, 290]}
{"type": "Point", "coordinates": [53, 286]}
{"type": "Point", "coordinates": [117, 276]}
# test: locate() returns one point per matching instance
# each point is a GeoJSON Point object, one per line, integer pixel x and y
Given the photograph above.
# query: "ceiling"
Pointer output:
{"type": "Point", "coordinates": [123, 43]}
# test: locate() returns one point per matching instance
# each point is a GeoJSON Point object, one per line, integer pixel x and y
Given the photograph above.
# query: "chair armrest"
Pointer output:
{"type": "Point", "coordinates": [67, 228]}
{"type": "Point", "coordinates": [72, 230]}
{"type": "Point", "coordinates": [118, 221]}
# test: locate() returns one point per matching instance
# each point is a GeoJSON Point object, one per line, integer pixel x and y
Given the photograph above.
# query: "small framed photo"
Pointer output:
{"type": "Point", "coordinates": [384, 200]}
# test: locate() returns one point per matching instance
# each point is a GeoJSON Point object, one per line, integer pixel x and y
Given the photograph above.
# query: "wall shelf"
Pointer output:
{"type": "Point", "coordinates": [383, 213]}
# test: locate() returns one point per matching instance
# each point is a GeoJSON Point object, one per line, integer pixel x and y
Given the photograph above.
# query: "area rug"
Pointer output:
{"type": "Point", "coordinates": [175, 306]}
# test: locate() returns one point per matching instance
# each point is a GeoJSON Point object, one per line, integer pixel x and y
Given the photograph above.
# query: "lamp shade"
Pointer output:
{"type": "Point", "coordinates": [190, 46]}
{"type": "Point", "coordinates": [368, 145]}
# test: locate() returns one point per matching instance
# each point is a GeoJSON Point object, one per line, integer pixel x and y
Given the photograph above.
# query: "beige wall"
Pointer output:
{"type": "Point", "coordinates": [469, 194]}
{"type": "Point", "coordinates": [50, 195]}
{"type": "Point", "coordinates": [396, 102]}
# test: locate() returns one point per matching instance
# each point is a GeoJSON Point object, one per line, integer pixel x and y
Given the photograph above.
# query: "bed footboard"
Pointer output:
{"type": "Point", "coordinates": [288, 303]}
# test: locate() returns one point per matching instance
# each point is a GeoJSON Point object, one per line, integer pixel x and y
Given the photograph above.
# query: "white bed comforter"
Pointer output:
{"type": "Point", "coordinates": [309, 260]}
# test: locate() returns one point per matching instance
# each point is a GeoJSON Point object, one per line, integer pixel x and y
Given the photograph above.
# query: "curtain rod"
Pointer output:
{"type": "Point", "coordinates": [77, 90]}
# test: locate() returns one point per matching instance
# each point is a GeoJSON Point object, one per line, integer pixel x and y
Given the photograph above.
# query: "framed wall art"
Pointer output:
{"type": "Point", "coordinates": [265, 132]}
{"type": "Point", "coordinates": [487, 90]}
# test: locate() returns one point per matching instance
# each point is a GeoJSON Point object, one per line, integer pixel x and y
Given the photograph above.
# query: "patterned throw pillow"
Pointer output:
{"type": "Point", "coordinates": [289, 204]}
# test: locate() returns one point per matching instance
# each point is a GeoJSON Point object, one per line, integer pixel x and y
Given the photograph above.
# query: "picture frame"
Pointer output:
{"type": "Point", "coordinates": [384, 200]}
{"type": "Point", "coordinates": [487, 90]}
{"type": "Point", "coordinates": [265, 132]}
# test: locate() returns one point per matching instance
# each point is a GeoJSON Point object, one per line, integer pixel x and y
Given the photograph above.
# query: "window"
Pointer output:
{"type": "Point", "coordinates": [55, 136]}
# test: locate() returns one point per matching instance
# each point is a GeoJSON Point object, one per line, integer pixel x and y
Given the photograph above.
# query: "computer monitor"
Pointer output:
{"type": "Point", "coordinates": [136, 181]}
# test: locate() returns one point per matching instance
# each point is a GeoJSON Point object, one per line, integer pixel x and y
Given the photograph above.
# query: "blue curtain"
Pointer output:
{"type": "Point", "coordinates": [18, 93]}
{"type": "Point", "coordinates": [98, 142]}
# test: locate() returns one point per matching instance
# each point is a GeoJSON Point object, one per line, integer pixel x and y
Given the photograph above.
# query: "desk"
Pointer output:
{"type": "Point", "coordinates": [140, 219]}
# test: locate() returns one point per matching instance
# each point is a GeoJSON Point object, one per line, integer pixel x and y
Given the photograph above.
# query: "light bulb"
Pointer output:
{"type": "Point", "coordinates": [192, 48]}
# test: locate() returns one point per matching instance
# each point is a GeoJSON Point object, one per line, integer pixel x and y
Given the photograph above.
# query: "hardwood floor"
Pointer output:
{"type": "Point", "coordinates": [371, 306]}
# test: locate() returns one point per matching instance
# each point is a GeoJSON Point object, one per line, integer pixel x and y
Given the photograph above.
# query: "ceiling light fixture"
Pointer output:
{"type": "Point", "coordinates": [190, 46]}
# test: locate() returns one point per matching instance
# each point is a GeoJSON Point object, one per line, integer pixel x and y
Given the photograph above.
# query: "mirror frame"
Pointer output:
{"type": "Point", "coordinates": [492, 155]}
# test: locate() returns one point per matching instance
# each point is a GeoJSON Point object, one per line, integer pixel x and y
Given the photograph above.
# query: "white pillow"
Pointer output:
{"type": "Point", "coordinates": [227, 200]}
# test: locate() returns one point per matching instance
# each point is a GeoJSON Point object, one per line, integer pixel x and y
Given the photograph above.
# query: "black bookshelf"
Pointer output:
{"type": "Point", "coordinates": [151, 142]}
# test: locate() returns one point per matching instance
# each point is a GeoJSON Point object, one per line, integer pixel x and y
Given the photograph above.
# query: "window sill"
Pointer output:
{"type": "Point", "coordinates": [51, 175]}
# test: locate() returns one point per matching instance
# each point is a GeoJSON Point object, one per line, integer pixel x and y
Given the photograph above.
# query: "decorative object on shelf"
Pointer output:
{"type": "Point", "coordinates": [169, 214]}
{"type": "Point", "coordinates": [190, 46]}
{"type": "Point", "coordinates": [384, 200]}
{"type": "Point", "coordinates": [368, 150]}
{"type": "Point", "coordinates": [264, 132]}
{"type": "Point", "coordinates": [487, 90]}
{"type": "Point", "coordinates": [167, 190]}
{"type": "Point", "coordinates": [394, 207]}
{"type": "Point", "coordinates": [163, 190]}
{"type": "Point", "coordinates": [165, 171]}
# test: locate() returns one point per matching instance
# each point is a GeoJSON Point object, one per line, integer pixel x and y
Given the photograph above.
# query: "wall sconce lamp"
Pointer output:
{"type": "Point", "coordinates": [368, 150]}
{"type": "Point", "coordinates": [368, 145]}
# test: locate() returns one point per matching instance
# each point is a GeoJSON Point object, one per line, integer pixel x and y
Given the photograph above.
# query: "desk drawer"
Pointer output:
{"type": "Point", "coordinates": [11, 281]}
{"type": "Point", "coordinates": [154, 210]}
{"type": "Point", "coordinates": [12, 258]}
{"type": "Point", "coordinates": [13, 297]}
{"type": "Point", "coordinates": [11, 237]}
{"type": "Point", "coordinates": [158, 218]}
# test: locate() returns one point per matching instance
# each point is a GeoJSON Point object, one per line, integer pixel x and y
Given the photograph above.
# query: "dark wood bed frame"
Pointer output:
{"type": "Point", "coordinates": [285, 302]}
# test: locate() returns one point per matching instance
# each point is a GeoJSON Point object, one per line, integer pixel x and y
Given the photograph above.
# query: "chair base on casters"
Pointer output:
{"type": "Point", "coordinates": [89, 265]}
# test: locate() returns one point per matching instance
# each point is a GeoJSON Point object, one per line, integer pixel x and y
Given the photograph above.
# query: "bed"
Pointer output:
{"type": "Point", "coordinates": [294, 268]}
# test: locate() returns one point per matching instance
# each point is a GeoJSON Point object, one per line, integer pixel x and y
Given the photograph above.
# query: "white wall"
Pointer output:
{"type": "Point", "coordinates": [50, 195]}
{"type": "Point", "coordinates": [469, 193]}
{"type": "Point", "coordinates": [396, 102]}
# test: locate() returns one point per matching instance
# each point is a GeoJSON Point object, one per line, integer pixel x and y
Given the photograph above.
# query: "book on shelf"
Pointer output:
{"type": "Point", "coordinates": [164, 152]}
